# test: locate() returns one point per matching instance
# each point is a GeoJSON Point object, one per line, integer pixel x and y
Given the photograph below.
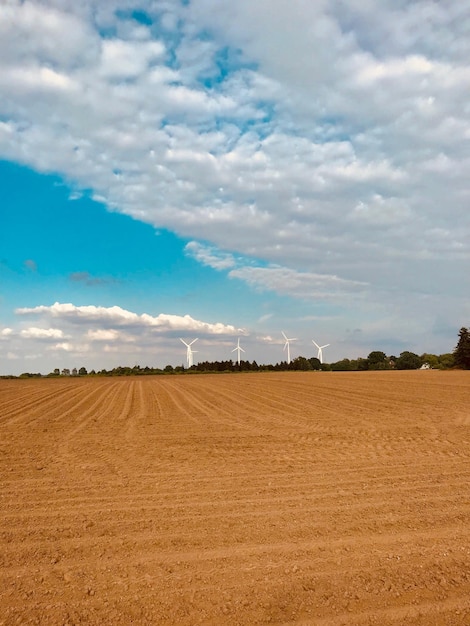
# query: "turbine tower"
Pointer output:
{"type": "Point", "coordinates": [320, 350]}
{"type": "Point", "coordinates": [238, 349]}
{"type": "Point", "coordinates": [287, 345]}
{"type": "Point", "coordinates": [189, 351]}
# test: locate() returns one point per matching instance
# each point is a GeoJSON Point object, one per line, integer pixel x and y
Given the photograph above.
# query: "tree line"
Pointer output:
{"type": "Point", "coordinates": [376, 360]}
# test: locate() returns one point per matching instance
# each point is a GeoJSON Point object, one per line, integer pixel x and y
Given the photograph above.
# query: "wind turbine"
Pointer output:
{"type": "Point", "coordinates": [287, 345]}
{"type": "Point", "coordinates": [238, 349]}
{"type": "Point", "coordinates": [320, 350]}
{"type": "Point", "coordinates": [189, 351]}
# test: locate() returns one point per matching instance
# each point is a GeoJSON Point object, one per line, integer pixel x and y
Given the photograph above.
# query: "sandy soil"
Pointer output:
{"type": "Point", "coordinates": [284, 498]}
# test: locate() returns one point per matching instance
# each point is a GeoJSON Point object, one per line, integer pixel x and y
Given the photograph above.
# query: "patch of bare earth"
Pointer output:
{"type": "Point", "coordinates": [283, 498]}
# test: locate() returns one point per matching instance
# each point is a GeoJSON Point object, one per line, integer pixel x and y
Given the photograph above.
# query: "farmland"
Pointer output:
{"type": "Point", "coordinates": [281, 498]}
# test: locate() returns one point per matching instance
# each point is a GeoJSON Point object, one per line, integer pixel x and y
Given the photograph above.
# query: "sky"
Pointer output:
{"type": "Point", "coordinates": [232, 170]}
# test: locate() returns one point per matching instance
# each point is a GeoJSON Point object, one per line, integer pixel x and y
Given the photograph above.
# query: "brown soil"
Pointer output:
{"type": "Point", "coordinates": [283, 498]}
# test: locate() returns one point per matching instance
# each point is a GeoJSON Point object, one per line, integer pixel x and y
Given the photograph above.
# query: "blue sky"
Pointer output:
{"type": "Point", "coordinates": [221, 170]}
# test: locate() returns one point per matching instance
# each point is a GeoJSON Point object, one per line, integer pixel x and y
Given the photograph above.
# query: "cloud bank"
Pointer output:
{"type": "Point", "coordinates": [326, 141]}
{"type": "Point", "coordinates": [266, 128]}
{"type": "Point", "coordinates": [116, 316]}
{"type": "Point", "coordinates": [66, 332]}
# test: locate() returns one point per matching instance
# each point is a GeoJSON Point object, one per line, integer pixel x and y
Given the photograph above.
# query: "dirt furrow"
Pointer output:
{"type": "Point", "coordinates": [284, 498]}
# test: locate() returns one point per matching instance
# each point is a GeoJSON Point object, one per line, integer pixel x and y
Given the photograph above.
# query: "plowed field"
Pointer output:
{"type": "Point", "coordinates": [280, 498]}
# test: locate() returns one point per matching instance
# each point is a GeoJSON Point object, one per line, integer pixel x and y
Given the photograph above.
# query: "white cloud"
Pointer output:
{"type": "Point", "coordinates": [107, 335]}
{"type": "Point", "coordinates": [308, 285]}
{"type": "Point", "coordinates": [67, 347]}
{"type": "Point", "coordinates": [265, 317]}
{"type": "Point", "coordinates": [38, 30]}
{"type": "Point", "coordinates": [40, 79]}
{"type": "Point", "coordinates": [98, 337]}
{"type": "Point", "coordinates": [128, 59]}
{"type": "Point", "coordinates": [41, 333]}
{"type": "Point", "coordinates": [380, 211]}
{"type": "Point", "coordinates": [210, 256]}
{"type": "Point", "coordinates": [278, 279]}
{"type": "Point", "coordinates": [414, 65]}
{"type": "Point", "coordinates": [115, 315]}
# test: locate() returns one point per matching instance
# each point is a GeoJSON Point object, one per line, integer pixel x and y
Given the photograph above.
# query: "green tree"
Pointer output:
{"type": "Point", "coordinates": [408, 361]}
{"type": "Point", "coordinates": [82, 371]}
{"type": "Point", "coordinates": [315, 363]}
{"type": "Point", "coordinates": [446, 361]}
{"type": "Point", "coordinates": [378, 361]}
{"type": "Point", "coordinates": [300, 363]}
{"type": "Point", "coordinates": [341, 366]}
{"type": "Point", "coordinates": [462, 349]}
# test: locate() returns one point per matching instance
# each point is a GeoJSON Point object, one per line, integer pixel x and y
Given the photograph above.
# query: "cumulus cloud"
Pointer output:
{"type": "Point", "coordinates": [116, 316]}
{"type": "Point", "coordinates": [41, 333]}
{"type": "Point", "coordinates": [67, 347]}
{"type": "Point", "coordinates": [107, 336]}
{"type": "Point", "coordinates": [128, 59]}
